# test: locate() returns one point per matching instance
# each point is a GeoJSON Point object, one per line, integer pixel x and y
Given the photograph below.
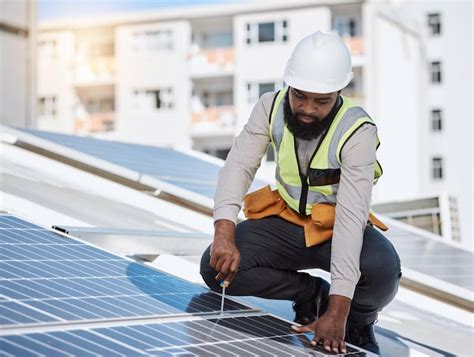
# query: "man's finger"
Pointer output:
{"type": "Point", "coordinates": [235, 265]}
{"type": "Point", "coordinates": [327, 344]}
{"type": "Point", "coordinates": [220, 262]}
{"type": "Point", "coordinates": [305, 328]}
{"type": "Point", "coordinates": [316, 340]}
{"type": "Point", "coordinates": [342, 347]}
{"type": "Point", "coordinates": [230, 277]}
{"type": "Point", "coordinates": [213, 260]}
{"type": "Point", "coordinates": [335, 346]}
{"type": "Point", "coordinates": [225, 267]}
{"type": "Point", "coordinates": [221, 276]}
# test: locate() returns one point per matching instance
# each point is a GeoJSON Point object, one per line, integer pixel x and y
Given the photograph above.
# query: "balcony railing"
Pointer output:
{"type": "Point", "coordinates": [95, 123]}
{"type": "Point", "coordinates": [215, 61]}
{"type": "Point", "coordinates": [99, 70]}
{"type": "Point", "coordinates": [355, 44]}
{"type": "Point", "coordinates": [214, 121]}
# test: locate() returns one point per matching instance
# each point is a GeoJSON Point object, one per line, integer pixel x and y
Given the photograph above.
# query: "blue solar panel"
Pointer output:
{"type": "Point", "coordinates": [61, 297]}
{"type": "Point", "coordinates": [168, 165]}
{"type": "Point", "coordinates": [262, 335]}
{"type": "Point", "coordinates": [48, 277]}
{"type": "Point", "coordinates": [434, 258]}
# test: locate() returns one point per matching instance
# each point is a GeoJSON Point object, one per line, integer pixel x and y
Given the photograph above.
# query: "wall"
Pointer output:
{"type": "Point", "coordinates": [265, 62]}
{"type": "Point", "coordinates": [17, 70]}
{"type": "Point", "coordinates": [150, 70]}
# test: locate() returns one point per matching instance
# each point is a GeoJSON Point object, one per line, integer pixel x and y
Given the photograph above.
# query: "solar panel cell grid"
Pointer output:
{"type": "Point", "coordinates": [168, 165]}
{"type": "Point", "coordinates": [435, 259]}
{"type": "Point", "coordinates": [239, 336]}
{"type": "Point", "coordinates": [56, 278]}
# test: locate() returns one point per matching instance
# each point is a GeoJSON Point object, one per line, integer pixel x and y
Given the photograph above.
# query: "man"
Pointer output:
{"type": "Point", "coordinates": [325, 148]}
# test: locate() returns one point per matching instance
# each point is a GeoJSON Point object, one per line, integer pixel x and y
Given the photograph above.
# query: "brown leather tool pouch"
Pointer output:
{"type": "Point", "coordinates": [263, 203]}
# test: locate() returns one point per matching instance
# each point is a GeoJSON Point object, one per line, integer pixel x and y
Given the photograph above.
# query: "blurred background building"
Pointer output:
{"type": "Point", "coordinates": [188, 77]}
{"type": "Point", "coordinates": [17, 62]}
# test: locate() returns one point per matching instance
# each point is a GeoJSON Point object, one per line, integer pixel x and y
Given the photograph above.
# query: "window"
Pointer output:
{"type": "Point", "coordinates": [156, 40]}
{"type": "Point", "coordinates": [48, 49]}
{"type": "Point", "coordinates": [434, 24]}
{"type": "Point", "coordinates": [436, 72]}
{"type": "Point", "coordinates": [220, 153]}
{"type": "Point", "coordinates": [47, 106]}
{"type": "Point", "coordinates": [436, 120]}
{"type": "Point", "coordinates": [217, 40]}
{"type": "Point", "coordinates": [266, 32]}
{"type": "Point", "coordinates": [255, 90]}
{"type": "Point", "coordinates": [276, 31]}
{"type": "Point", "coordinates": [346, 26]}
{"type": "Point", "coordinates": [100, 105]}
{"type": "Point", "coordinates": [156, 99]}
{"type": "Point", "coordinates": [437, 168]}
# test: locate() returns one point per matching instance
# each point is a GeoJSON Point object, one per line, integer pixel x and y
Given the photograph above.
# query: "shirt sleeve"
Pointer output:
{"type": "Point", "coordinates": [352, 209]}
{"type": "Point", "coordinates": [243, 160]}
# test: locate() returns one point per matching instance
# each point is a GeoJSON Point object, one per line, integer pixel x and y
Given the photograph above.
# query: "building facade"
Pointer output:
{"type": "Point", "coordinates": [17, 66]}
{"type": "Point", "coordinates": [189, 77]}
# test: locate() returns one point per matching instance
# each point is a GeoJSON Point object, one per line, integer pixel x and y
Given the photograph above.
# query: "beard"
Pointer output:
{"type": "Point", "coordinates": [306, 131]}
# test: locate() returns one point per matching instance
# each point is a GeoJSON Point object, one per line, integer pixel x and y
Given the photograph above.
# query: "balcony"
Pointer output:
{"type": "Point", "coordinates": [95, 71]}
{"type": "Point", "coordinates": [356, 46]}
{"type": "Point", "coordinates": [94, 123]}
{"type": "Point", "coordinates": [212, 62]}
{"type": "Point", "coordinates": [214, 121]}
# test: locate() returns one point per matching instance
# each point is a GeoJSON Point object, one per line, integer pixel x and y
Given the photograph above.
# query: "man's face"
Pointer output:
{"type": "Point", "coordinates": [306, 113]}
{"type": "Point", "coordinates": [309, 108]}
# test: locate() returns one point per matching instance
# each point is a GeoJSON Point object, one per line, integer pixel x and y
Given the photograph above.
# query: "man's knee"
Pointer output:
{"type": "Point", "coordinates": [208, 274]}
{"type": "Point", "coordinates": [380, 267]}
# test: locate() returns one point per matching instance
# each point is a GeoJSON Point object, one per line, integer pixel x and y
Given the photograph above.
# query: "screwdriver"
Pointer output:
{"type": "Point", "coordinates": [223, 285]}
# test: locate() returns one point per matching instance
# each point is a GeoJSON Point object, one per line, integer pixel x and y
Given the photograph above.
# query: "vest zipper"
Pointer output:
{"type": "Point", "coordinates": [304, 183]}
{"type": "Point", "coordinates": [304, 178]}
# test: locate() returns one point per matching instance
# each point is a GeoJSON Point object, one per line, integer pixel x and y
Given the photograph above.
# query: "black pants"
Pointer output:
{"type": "Point", "coordinates": [272, 250]}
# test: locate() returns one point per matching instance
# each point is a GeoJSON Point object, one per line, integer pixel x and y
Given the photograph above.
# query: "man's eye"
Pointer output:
{"type": "Point", "coordinates": [298, 95]}
{"type": "Point", "coordinates": [323, 103]}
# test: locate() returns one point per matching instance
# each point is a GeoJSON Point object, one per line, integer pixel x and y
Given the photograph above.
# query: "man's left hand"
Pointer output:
{"type": "Point", "coordinates": [329, 329]}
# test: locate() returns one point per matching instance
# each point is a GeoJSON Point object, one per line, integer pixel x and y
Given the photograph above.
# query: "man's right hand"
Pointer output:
{"type": "Point", "coordinates": [225, 257]}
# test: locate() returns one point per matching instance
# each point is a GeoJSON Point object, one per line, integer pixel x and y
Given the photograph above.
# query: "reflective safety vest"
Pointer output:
{"type": "Point", "coordinates": [321, 182]}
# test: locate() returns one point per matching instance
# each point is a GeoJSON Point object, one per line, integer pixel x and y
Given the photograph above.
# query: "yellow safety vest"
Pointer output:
{"type": "Point", "coordinates": [321, 182]}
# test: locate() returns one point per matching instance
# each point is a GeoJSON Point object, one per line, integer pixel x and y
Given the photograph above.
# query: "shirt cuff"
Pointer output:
{"type": "Point", "coordinates": [229, 212]}
{"type": "Point", "coordinates": [342, 287]}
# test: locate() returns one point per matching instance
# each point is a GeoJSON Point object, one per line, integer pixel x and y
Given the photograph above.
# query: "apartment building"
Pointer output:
{"type": "Point", "coordinates": [17, 67]}
{"type": "Point", "coordinates": [189, 77]}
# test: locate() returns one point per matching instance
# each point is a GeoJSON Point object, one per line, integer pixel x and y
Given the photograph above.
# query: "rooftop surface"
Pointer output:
{"type": "Point", "coordinates": [52, 193]}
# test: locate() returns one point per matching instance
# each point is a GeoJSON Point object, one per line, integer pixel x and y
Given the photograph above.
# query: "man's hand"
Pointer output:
{"type": "Point", "coordinates": [225, 257]}
{"type": "Point", "coordinates": [329, 329]}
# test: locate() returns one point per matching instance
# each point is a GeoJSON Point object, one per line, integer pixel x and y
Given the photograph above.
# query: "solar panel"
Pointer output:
{"type": "Point", "coordinates": [262, 335]}
{"type": "Point", "coordinates": [159, 167]}
{"type": "Point", "coordinates": [61, 296]}
{"type": "Point", "coordinates": [48, 277]}
{"type": "Point", "coordinates": [434, 258]}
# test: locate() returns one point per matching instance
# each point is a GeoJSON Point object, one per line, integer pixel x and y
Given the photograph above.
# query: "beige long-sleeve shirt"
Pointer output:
{"type": "Point", "coordinates": [352, 201]}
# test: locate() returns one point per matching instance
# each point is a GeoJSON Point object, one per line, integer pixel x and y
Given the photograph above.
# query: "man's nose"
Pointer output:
{"type": "Point", "coordinates": [308, 108]}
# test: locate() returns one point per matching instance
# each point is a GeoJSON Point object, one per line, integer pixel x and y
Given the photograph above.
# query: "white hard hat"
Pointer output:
{"type": "Point", "coordinates": [320, 63]}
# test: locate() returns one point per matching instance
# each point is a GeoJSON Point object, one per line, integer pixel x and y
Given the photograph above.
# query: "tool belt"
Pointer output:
{"type": "Point", "coordinates": [318, 227]}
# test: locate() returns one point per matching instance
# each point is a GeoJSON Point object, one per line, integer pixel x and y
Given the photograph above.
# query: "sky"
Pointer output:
{"type": "Point", "coordinates": [57, 9]}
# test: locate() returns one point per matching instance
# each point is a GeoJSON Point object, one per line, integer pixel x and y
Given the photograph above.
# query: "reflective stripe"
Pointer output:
{"type": "Point", "coordinates": [295, 192]}
{"type": "Point", "coordinates": [351, 116]}
{"type": "Point", "coordinates": [277, 122]}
